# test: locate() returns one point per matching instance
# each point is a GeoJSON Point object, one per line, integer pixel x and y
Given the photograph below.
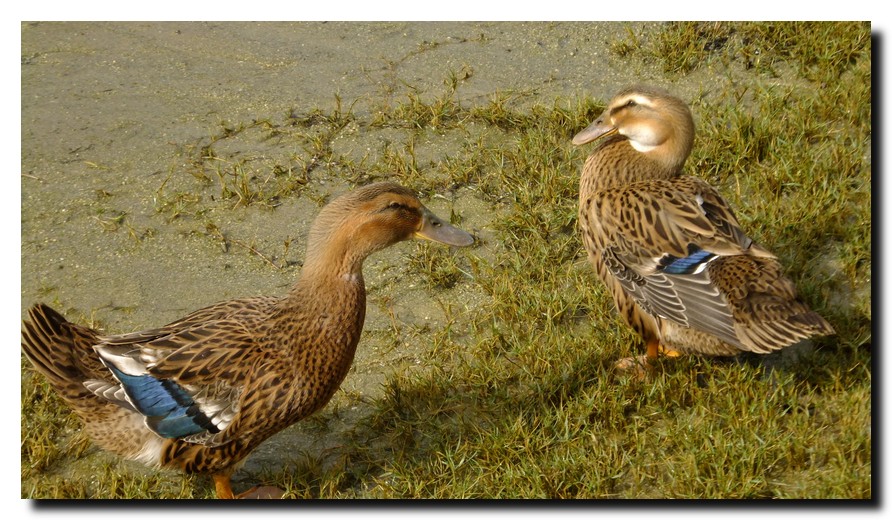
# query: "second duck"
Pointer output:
{"type": "Point", "coordinates": [682, 272]}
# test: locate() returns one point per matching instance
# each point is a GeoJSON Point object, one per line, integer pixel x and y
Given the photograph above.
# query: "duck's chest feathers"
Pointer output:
{"type": "Point", "coordinates": [320, 344]}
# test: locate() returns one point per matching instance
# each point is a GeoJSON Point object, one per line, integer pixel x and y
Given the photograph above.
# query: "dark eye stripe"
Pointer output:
{"type": "Point", "coordinates": [395, 206]}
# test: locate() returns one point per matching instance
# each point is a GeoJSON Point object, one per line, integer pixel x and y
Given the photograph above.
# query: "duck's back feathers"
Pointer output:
{"type": "Point", "coordinates": [655, 223]}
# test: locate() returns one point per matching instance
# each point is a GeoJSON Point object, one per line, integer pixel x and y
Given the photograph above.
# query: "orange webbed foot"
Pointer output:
{"type": "Point", "coordinates": [636, 366]}
{"type": "Point", "coordinates": [640, 367]}
{"type": "Point", "coordinates": [262, 493]}
{"type": "Point", "coordinates": [224, 490]}
{"type": "Point", "coordinates": [669, 352]}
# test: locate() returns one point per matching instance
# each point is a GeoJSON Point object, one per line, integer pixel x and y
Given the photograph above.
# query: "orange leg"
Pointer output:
{"type": "Point", "coordinates": [223, 486]}
{"type": "Point", "coordinates": [653, 350]}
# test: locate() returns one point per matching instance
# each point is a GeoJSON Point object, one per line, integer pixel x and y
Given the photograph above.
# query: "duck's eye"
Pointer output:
{"type": "Point", "coordinates": [631, 103]}
{"type": "Point", "coordinates": [395, 205]}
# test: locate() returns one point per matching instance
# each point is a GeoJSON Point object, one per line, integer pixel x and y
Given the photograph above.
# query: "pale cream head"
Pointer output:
{"type": "Point", "coordinates": [655, 123]}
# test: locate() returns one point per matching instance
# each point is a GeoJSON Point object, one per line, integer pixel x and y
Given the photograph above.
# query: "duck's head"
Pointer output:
{"type": "Point", "coordinates": [654, 122]}
{"type": "Point", "coordinates": [373, 217]}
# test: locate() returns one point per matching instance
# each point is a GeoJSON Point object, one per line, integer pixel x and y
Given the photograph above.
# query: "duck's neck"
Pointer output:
{"type": "Point", "coordinates": [616, 163]}
{"type": "Point", "coordinates": [336, 258]}
{"type": "Point", "coordinates": [329, 298]}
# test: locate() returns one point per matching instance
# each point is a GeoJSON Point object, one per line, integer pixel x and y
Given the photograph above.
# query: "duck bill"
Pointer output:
{"type": "Point", "coordinates": [596, 130]}
{"type": "Point", "coordinates": [436, 229]}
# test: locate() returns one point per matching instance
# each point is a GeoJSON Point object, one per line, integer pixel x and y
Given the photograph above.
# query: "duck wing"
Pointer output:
{"type": "Point", "coordinates": [186, 384]}
{"type": "Point", "coordinates": [658, 238]}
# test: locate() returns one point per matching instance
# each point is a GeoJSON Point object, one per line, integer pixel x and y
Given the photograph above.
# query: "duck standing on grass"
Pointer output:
{"type": "Point", "coordinates": [682, 272]}
{"type": "Point", "coordinates": [200, 393]}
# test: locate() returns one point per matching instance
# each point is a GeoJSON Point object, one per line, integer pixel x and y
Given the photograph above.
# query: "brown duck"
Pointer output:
{"type": "Point", "coordinates": [200, 393]}
{"type": "Point", "coordinates": [682, 272]}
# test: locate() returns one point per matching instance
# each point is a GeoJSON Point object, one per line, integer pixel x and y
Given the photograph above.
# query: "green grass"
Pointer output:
{"type": "Point", "coordinates": [817, 50]}
{"type": "Point", "coordinates": [519, 399]}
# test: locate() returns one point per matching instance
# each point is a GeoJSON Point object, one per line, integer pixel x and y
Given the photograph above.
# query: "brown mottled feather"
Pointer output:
{"type": "Point", "coordinates": [638, 213]}
{"type": "Point", "coordinates": [252, 366]}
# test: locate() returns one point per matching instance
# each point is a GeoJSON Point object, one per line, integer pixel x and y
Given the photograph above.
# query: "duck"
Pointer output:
{"type": "Point", "coordinates": [199, 394]}
{"type": "Point", "coordinates": [682, 272]}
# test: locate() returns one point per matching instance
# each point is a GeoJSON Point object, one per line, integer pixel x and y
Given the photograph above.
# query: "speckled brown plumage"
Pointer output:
{"type": "Point", "coordinates": [682, 272]}
{"type": "Point", "coordinates": [230, 375]}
